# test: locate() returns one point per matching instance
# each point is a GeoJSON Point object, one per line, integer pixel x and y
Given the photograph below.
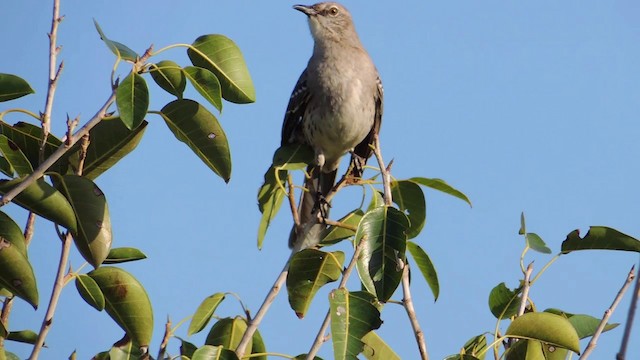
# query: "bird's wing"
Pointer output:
{"type": "Point", "coordinates": [363, 150]}
{"type": "Point", "coordinates": [292, 131]}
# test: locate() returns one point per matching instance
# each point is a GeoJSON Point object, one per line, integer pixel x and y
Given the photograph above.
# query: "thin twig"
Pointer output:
{"type": "Point", "coordinates": [55, 296]}
{"type": "Point", "coordinates": [406, 286]}
{"type": "Point", "coordinates": [266, 304]}
{"type": "Point", "coordinates": [321, 338]}
{"type": "Point", "coordinates": [525, 289]}
{"type": "Point", "coordinates": [411, 313]}
{"type": "Point", "coordinates": [630, 316]}
{"type": "Point", "coordinates": [340, 224]}
{"type": "Point", "coordinates": [54, 75]}
{"type": "Point", "coordinates": [165, 339]}
{"type": "Point", "coordinates": [607, 315]}
{"type": "Point", "coordinates": [292, 201]}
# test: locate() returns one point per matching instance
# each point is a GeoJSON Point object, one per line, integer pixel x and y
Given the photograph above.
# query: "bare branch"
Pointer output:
{"type": "Point", "coordinates": [525, 289]}
{"type": "Point", "coordinates": [292, 201]}
{"type": "Point", "coordinates": [165, 339]}
{"type": "Point", "coordinates": [607, 315]}
{"type": "Point", "coordinates": [630, 316]}
{"type": "Point", "coordinates": [411, 313]}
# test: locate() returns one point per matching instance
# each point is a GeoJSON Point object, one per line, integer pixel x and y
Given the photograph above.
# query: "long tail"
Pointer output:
{"type": "Point", "coordinates": [310, 231]}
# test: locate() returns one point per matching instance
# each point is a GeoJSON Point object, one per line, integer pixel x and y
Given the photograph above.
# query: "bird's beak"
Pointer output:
{"type": "Point", "coordinates": [308, 10]}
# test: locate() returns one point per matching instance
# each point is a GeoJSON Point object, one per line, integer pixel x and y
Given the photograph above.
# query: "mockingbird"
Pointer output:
{"type": "Point", "coordinates": [335, 108]}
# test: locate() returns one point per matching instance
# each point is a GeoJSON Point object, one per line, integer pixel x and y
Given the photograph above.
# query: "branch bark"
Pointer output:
{"type": "Point", "coordinates": [630, 316]}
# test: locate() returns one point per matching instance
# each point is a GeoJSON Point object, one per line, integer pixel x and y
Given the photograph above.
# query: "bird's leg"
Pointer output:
{"type": "Point", "coordinates": [356, 168]}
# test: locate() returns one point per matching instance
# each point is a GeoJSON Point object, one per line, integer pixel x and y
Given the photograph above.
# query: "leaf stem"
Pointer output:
{"type": "Point", "coordinates": [22, 111]}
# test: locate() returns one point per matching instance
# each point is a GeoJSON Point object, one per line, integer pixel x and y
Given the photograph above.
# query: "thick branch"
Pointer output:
{"type": "Point", "coordinates": [630, 316]}
{"type": "Point", "coordinates": [525, 289]}
{"type": "Point", "coordinates": [607, 315]}
{"type": "Point", "coordinates": [407, 301]}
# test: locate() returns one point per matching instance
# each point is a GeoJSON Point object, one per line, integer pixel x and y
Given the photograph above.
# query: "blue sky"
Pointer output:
{"type": "Point", "coordinates": [524, 106]}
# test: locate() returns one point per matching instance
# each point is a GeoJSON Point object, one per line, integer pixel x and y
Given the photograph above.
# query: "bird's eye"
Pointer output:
{"type": "Point", "coordinates": [334, 11]}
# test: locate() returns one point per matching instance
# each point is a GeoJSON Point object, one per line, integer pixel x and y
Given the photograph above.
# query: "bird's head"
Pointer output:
{"type": "Point", "coordinates": [328, 21]}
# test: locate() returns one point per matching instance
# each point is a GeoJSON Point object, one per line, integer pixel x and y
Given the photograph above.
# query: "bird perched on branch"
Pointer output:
{"type": "Point", "coordinates": [335, 108]}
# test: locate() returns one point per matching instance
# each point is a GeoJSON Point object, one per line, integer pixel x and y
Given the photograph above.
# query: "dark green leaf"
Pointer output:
{"type": "Point", "coordinates": [441, 185]}
{"type": "Point", "coordinates": [376, 349]}
{"type": "Point", "coordinates": [353, 315]}
{"type": "Point", "coordinates": [535, 242]}
{"type": "Point", "coordinates": [585, 325]}
{"type": "Point", "coordinates": [473, 349]}
{"type": "Point", "coordinates": [126, 301]}
{"type": "Point", "coordinates": [126, 350]}
{"type": "Point", "coordinates": [120, 50]}
{"type": "Point", "coordinates": [209, 352]}
{"type": "Point", "coordinates": [124, 254]}
{"type": "Point", "coordinates": [409, 197]}
{"type": "Point", "coordinates": [13, 87]}
{"type": "Point", "coordinates": [23, 336]}
{"type": "Point", "coordinates": [28, 138]}
{"type": "Point", "coordinates": [110, 141]}
{"type": "Point", "coordinates": [600, 238]}
{"type": "Point", "coordinates": [93, 237]}
{"type": "Point", "coordinates": [44, 200]}
{"type": "Point", "coordinates": [426, 267]}
{"type": "Point", "coordinates": [270, 198]}
{"type": "Point", "coordinates": [547, 328]}
{"type": "Point", "coordinates": [12, 232]}
{"type": "Point", "coordinates": [334, 234]}
{"type": "Point", "coordinates": [377, 200]}
{"type": "Point", "coordinates": [186, 348]}
{"type": "Point", "coordinates": [227, 332]}
{"type": "Point", "coordinates": [194, 125]}
{"type": "Point", "coordinates": [503, 302]}
{"type": "Point", "coordinates": [523, 227]}
{"type": "Point", "coordinates": [3, 330]}
{"type": "Point", "coordinates": [132, 99]}
{"type": "Point", "coordinates": [206, 83]}
{"type": "Point", "coordinates": [14, 156]}
{"type": "Point", "coordinates": [221, 55]}
{"type": "Point", "coordinates": [258, 347]}
{"type": "Point", "coordinates": [381, 260]}
{"type": "Point", "coordinates": [309, 270]}
{"type": "Point", "coordinates": [204, 313]}
{"type": "Point", "coordinates": [90, 291]}
{"type": "Point", "coordinates": [168, 75]}
{"type": "Point", "coordinates": [16, 273]}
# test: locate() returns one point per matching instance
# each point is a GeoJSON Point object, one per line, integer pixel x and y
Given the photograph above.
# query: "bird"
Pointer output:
{"type": "Point", "coordinates": [335, 108]}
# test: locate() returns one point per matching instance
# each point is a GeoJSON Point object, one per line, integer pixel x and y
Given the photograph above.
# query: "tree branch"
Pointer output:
{"type": "Point", "coordinates": [607, 315]}
{"type": "Point", "coordinates": [525, 289]}
{"type": "Point", "coordinates": [630, 316]}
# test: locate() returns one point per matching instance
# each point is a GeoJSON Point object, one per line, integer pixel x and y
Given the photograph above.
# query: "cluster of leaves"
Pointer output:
{"type": "Point", "coordinates": [551, 334]}
{"type": "Point", "coordinates": [388, 232]}
{"type": "Point", "coordinates": [71, 199]}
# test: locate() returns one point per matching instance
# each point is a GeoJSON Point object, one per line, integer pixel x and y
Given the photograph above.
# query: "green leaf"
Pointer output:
{"type": "Point", "coordinates": [168, 75]}
{"type": "Point", "coordinates": [503, 302]}
{"type": "Point", "coordinates": [194, 125]}
{"type": "Point", "coordinates": [123, 254]}
{"type": "Point", "coordinates": [120, 50]}
{"type": "Point", "coordinates": [13, 87]}
{"type": "Point", "coordinates": [209, 352]}
{"type": "Point", "coordinates": [380, 263]}
{"type": "Point", "coordinates": [228, 332]}
{"type": "Point", "coordinates": [127, 350]}
{"type": "Point", "coordinates": [93, 237]}
{"type": "Point", "coordinates": [16, 273]}
{"type": "Point", "coordinates": [523, 227]}
{"type": "Point", "coordinates": [204, 313]}
{"type": "Point", "coordinates": [600, 238]}
{"type": "Point", "coordinates": [14, 156]}
{"type": "Point", "coordinates": [10, 231]}
{"type": "Point", "coordinates": [376, 349]}
{"type": "Point", "coordinates": [334, 234]}
{"type": "Point", "coordinates": [476, 347]}
{"type": "Point", "coordinates": [409, 197]}
{"type": "Point", "coordinates": [426, 267]}
{"type": "Point", "coordinates": [28, 138]}
{"type": "Point", "coordinates": [221, 56]}
{"type": "Point", "coordinates": [293, 157]}
{"type": "Point", "coordinates": [3, 330]}
{"type": "Point", "coordinates": [309, 270]}
{"type": "Point", "coordinates": [377, 199]}
{"type": "Point", "coordinates": [110, 141]}
{"type": "Point", "coordinates": [547, 328]}
{"type": "Point", "coordinates": [132, 99]}
{"type": "Point", "coordinates": [585, 325]}
{"type": "Point", "coordinates": [258, 347]}
{"type": "Point", "coordinates": [44, 200]}
{"type": "Point", "coordinates": [126, 301]}
{"type": "Point", "coordinates": [11, 356]}
{"type": "Point", "coordinates": [206, 83]}
{"type": "Point", "coordinates": [90, 291]}
{"type": "Point", "coordinates": [23, 336]}
{"type": "Point", "coordinates": [186, 348]}
{"type": "Point", "coordinates": [441, 185]}
{"type": "Point", "coordinates": [535, 242]}
{"type": "Point", "coordinates": [270, 198]}
{"type": "Point", "coordinates": [353, 315]}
